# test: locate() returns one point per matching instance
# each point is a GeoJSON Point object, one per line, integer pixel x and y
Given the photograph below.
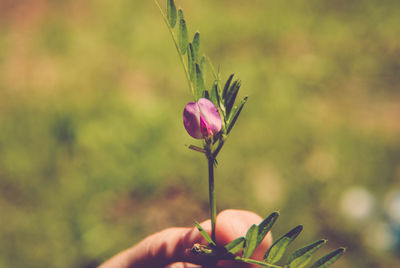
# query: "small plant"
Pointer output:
{"type": "Point", "coordinates": [210, 118]}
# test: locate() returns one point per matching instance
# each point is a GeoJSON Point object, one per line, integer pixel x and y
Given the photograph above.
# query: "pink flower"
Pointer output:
{"type": "Point", "coordinates": [201, 119]}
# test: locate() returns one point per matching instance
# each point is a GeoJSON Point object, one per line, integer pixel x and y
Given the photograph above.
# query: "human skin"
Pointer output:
{"type": "Point", "coordinates": [170, 248]}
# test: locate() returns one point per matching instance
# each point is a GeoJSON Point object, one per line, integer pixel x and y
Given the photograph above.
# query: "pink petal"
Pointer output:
{"type": "Point", "coordinates": [201, 119]}
{"type": "Point", "coordinates": [191, 120]}
{"type": "Point", "coordinates": [205, 129]}
{"type": "Point", "coordinates": [210, 114]}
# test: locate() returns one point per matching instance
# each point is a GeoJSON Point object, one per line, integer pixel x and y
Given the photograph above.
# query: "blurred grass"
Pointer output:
{"type": "Point", "coordinates": [92, 155]}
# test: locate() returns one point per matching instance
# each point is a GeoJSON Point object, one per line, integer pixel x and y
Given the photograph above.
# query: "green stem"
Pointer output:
{"type": "Point", "coordinates": [176, 46]}
{"type": "Point", "coordinates": [213, 206]}
{"type": "Point", "coordinates": [216, 76]}
{"type": "Point", "coordinates": [219, 147]}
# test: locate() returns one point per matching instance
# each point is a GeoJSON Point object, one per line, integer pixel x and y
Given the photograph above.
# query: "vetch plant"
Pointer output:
{"type": "Point", "coordinates": [210, 118]}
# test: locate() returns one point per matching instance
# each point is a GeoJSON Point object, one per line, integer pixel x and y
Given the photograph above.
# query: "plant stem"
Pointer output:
{"type": "Point", "coordinates": [176, 46]}
{"type": "Point", "coordinates": [213, 206]}
{"type": "Point", "coordinates": [218, 149]}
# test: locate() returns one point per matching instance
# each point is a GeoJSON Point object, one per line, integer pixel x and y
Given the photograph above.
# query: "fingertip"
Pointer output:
{"type": "Point", "coordinates": [233, 223]}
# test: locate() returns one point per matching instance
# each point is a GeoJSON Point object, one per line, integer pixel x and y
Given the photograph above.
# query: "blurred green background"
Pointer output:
{"type": "Point", "coordinates": [92, 145]}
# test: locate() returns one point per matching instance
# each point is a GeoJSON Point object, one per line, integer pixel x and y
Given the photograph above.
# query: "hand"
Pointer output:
{"type": "Point", "coordinates": [170, 248]}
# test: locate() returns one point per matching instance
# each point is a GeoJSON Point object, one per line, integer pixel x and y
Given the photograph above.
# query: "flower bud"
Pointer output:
{"type": "Point", "coordinates": [201, 119]}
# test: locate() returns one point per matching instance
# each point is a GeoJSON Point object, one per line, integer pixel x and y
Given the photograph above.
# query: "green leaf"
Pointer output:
{"type": "Point", "coordinates": [203, 65]}
{"type": "Point", "coordinates": [214, 93]}
{"type": "Point", "coordinates": [180, 14]}
{"type": "Point", "coordinates": [171, 13]}
{"type": "Point", "coordinates": [329, 258]}
{"type": "Point", "coordinates": [251, 241]}
{"type": "Point", "coordinates": [235, 114]}
{"type": "Point", "coordinates": [226, 87]}
{"type": "Point", "coordinates": [204, 234]}
{"type": "Point", "coordinates": [265, 226]}
{"type": "Point", "coordinates": [182, 34]}
{"type": "Point", "coordinates": [231, 96]}
{"type": "Point", "coordinates": [191, 63]}
{"type": "Point", "coordinates": [235, 246]}
{"type": "Point", "coordinates": [256, 262]}
{"type": "Point", "coordinates": [301, 257]}
{"type": "Point", "coordinates": [277, 250]}
{"type": "Point", "coordinates": [301, 262]}
{"type": "Point", "coordinates": [196, 46]}
{"type": "Point", "coordinates": [199, 81]}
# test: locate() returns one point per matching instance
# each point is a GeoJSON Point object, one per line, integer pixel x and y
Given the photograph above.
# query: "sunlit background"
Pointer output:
{"type": "Point", "coordinates": [93, 152]}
